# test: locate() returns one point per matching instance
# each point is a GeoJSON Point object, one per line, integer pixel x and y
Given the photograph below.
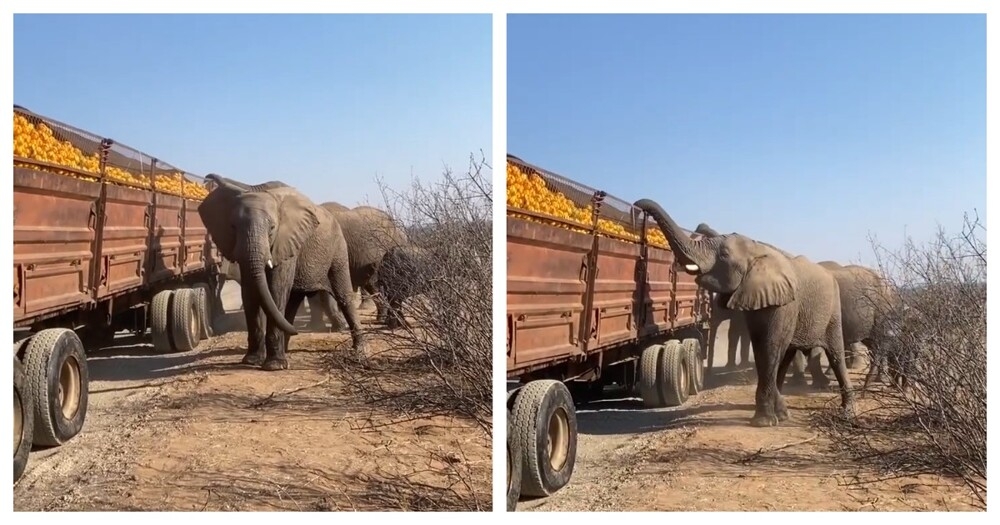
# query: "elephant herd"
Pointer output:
{"type": "Point", "coordinates": [288, 249]}
{"type": "Point", "coordinates": [787, 304]}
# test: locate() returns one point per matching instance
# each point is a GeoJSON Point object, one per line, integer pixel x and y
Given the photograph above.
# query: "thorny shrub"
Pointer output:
{"type": "Point", "coordinates": [928, 414]}
{"type": "Point", "coordinates": [439, 363]}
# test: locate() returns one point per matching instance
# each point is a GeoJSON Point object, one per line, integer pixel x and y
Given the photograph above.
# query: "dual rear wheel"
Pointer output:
{"type": "Point", "coordinates": [180, 319]}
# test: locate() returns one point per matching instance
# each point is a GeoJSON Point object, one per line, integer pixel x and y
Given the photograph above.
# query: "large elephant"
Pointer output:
{"type": "Point", "coordinates": [790, 304]}
{"type": "Point", "coordinates": [370, 233]}
{"type": "Point", "coordinates": [405, 271]}
{"type": "Point", "coordinates": [737, 335]}
{"type": "Point", "coordinates": [800, 363]}
{"type": "Point", "coordinates": [286, 247]}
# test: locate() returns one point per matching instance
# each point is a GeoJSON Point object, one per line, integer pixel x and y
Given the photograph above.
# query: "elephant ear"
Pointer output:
{"type": "Point", "coordinates": [297, 221]}
{"type": "Point", "coordinates": [769, 282]}
{"type": "Point", "coordinates": [216, 211]}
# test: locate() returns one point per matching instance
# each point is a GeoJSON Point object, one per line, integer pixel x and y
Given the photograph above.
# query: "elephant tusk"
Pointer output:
{"type": "Point", "coordinates": [691, 267]}
{"type": "Point", "coordinates": [270, 264]}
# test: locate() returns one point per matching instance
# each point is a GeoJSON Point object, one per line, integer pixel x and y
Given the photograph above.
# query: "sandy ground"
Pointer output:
{"type": "Point", "coordinates": [704, 456]}
{"type": "Point", "coordinates": [199, 431]}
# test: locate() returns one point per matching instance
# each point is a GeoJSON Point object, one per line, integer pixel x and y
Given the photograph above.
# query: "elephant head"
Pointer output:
{"type": "Point", "coordinates": [747, 274]}
{"type": "Point", "coordinates": [260, 226]}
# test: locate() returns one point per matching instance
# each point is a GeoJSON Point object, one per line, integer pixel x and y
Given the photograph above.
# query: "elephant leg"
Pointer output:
{"type": "Point", "coordinates": [394, 312]}
{"type": "Point", "coordinates": [771, 337]}
{"type": "Point", "coordinates": [713, 329]}
{"type": "Point", "coordinates": [256, 321]}
{"type": "Point", "coordinates": [333, 312]}
{"type": "Point", "coordinates": [835, 354]}
{"type": "Point", "coordinates": [281, 288]}
{"type": "Point", "coordinates": [291, 309]}
{"type": "Point", "coordinates": [367, 301]}
{"type": "Point", "coordinates": [316, 322]}
{"type": "Point", "coordinates": [733, 343]}
{"type": "Point", "coordinates": [815, 364]}
{"type": "Point", "coordinates": [856, 354]}
{"type": "Point", "coordinates": [340, 282]}
{"type": "Point", "coordinates": [798, 369]}
{"type": "Point", "coordinates": [786, 361]}
{"type": "Point", "coordinates": [369, 294]}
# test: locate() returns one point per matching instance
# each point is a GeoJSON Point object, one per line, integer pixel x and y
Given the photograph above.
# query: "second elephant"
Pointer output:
{"type": "Point", "coordinates": [370, 233]}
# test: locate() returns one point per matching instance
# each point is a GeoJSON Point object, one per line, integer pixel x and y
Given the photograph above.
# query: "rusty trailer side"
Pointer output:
{"type": "Point", "coordinates": [80, 246]}
{"type": "Point", "coordinates": [573, 296]}
{"type": "Point", "coordinates": [588, 308]}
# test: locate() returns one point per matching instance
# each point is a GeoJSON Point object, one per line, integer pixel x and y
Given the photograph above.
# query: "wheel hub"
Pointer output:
{"type": "Point", "coordinates": [558, 439]}
{"type": "Point", "coordinates": [69, 387]}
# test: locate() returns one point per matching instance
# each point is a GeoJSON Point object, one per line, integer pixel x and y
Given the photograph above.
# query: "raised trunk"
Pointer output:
{"type": "Point", "coordinates": [256, 264]}
{"type": "Point", "coordinates": [688, 251]}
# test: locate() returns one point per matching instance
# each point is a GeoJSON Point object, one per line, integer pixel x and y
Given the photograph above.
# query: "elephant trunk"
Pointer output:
{"type": "Point", "coordinates": [255, 261]}
{"type": "Point", "coordinates": [688, 251]}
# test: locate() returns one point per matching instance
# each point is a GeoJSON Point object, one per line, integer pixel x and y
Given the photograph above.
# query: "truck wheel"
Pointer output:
{"type": "Point", "coordinates": [674, 376]}
{"type": "Point", "coordinates": [545, 428]}
{"type": "Point", "coordinates": [696, 368]}
{"type": "Point", "coordinates": [57, 376]}
{"type": "Point", "coordinates": [24, 420]}
{"type": "Point", "coordinates": [185, 320]}
{"type": "Point", "coordinates": [649, 388]}
{"type": "Point", "coordinates": [159, 322]}
{"type": "Point", "coordinates": [201, 295]}
{"type": "Point", "coordinates": [514, 467]}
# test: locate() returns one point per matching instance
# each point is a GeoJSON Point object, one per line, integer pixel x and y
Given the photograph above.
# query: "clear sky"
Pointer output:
{"type": "Point", "coordinates": [322, 102]}
{"type": "Point", "coordinates": [805, 131]}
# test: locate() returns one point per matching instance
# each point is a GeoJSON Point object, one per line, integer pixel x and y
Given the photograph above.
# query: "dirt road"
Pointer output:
{"type": "Point", "coordinates": [704, 456]}
{"type": "Point", "coordinates": [199, 431]}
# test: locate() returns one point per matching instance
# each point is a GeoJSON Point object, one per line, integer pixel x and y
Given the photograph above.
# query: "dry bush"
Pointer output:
{"type": "Point", "coordinates": [930, 416]}
{"type": "Point", "coordinates": [439, 363]}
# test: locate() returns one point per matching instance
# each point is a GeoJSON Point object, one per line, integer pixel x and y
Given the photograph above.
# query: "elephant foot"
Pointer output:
{"type": "Point", "coordinates": [796, 381]}
{"type": "Point", "coordinates": [764, 420]}
{"type": "Point", "coordinates": [849, 412]}
{"type": "Point", "coordinates": [253, 359]}
{"type": "Point", "coordinates": [781, 414]}
{"type": "Point", "coordinates": [275, 363]}
{"type": "Point", "coordinates": [820, 383]}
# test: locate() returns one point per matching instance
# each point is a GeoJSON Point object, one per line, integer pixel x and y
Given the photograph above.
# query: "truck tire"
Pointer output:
{"type": "Point", "coordinates": [674, 377]}
{"type": "Point", "coordinates": [185, 321]}
{"type": "Point", "coordinates": [24, 420]}
{"type": "Point", "coordinates": [56, 374]}
{"type": "Point", "coordinates": [514, 467]}
{"type": "Point", "coordinates": [205, 313]}
{"type": "Point", "coordinates": [159, 321]}
{"type": "Point", "coordinates": [544, 422]}
{"type": "Point", "coordinates": [696, 368]}
{"type": "Point", "coordinates": [649, 388]}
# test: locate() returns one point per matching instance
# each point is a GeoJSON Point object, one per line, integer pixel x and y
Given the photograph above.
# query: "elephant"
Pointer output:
{"type": "Point", "coordinates": [867, 302]}
{"type": "Point", "coordinates": [404, 272]}
{"type": "Point", "coordinates": [737, 335]}
{"type": "Point", "coordinates": [800, 363]}
{"type": "Point", "coordinates": [370, 233]}
{"type": "Point", "coordinates": [790, 304]}
{"type": "Point", "coordinates": [288, 247]}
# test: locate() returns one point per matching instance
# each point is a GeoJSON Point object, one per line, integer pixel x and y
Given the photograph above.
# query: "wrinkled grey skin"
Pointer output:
{"type": "Point", "coordinates": [370, 233]}
{"type": "Point", "coordinates": [790, 304]}
{"type": "Point", "coordinates": [286, 247]}
{"type": "Point", "coordinates": [738, 336]}
{"type": "Point", "coordinates": [403, 273]}
{"type": "Point", "coordinates": [867, 301]}
{"type": "Point", "coordinates": [799, 362]}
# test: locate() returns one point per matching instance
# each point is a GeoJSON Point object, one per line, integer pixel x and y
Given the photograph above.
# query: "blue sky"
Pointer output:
{"type": "Point", "coordinates": [807, 132]}
{"type": "Point", "coordinates": [323, 102]}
